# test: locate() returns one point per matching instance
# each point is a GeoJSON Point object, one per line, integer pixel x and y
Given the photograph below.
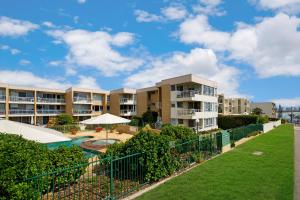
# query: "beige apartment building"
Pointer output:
{"type": "Point", "coordinates": [268, 108]}
{"type": "Point", "coordinates": [38, 105]}
{"type": "Point", "coordinates": [123, 102]}
{"type": "Point", "coordinates": [185, 100]}
{"type": "Point", "coordinates": [233, 106]}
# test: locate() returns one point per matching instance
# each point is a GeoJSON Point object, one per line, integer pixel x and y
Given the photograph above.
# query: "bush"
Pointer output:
{"type": "Point", "coordinates": [263, 119]}
{"type": "Point", "coordinates": [178, 132]}
{"type": "Point", "coordinates": [149, 117]}
{"type": "Point", "coordinates": [21, 159]}
{"type": "Point", "coordinates": [234, 121]}
{"type": "Point", "coordinates": [64, 119]}
{"type": "Point", "coordinates": [136, 121]}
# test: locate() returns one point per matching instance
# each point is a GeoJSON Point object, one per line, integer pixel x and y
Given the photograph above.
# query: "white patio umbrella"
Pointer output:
{"type": "Point", "coordinates": [107, 120]}
{"type": "Point", "coordinates": [31, 132]}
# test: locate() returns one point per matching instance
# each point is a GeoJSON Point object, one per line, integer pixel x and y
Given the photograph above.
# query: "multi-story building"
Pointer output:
{"type": "Point", "coordinates": [37, 105]}
{"type": "Point", "coordinates": [185, 100]}
{"type": "Point", "coordinates": [85, 103]}
{"type": "Point", "coordinates": [268, 108]}
{"type": "Point", "coordinates": [233, 106]}
{"type": "Point", "coordinates": [123, 102]}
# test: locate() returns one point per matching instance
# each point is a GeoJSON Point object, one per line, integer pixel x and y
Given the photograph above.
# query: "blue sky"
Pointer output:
{"type": "Point", "coordinates": [250, 47]}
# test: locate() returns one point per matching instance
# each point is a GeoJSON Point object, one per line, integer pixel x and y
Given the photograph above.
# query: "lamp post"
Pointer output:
{"type": "Point", "coordinates": [197, 124]}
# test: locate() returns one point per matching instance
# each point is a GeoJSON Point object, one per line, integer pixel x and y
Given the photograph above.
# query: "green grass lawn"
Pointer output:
{"type": "Point", "coordinates": [239, 174]}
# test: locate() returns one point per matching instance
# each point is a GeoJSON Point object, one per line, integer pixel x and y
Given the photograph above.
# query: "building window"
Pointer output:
{"type": "Point", "coordinates": [180, 121]}
{"type": "Point", "coordinates": [179, 87]}
{"type": "Point", "coordinates": [172, 87]}
{"type": "Point", "coordinates": [179, 105]}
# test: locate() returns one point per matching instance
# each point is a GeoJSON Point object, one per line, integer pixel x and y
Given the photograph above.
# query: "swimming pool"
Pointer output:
{"type": "Point", "coordinates": [75, 141]}
{"type": "Point", "coordinates": [104, 141]}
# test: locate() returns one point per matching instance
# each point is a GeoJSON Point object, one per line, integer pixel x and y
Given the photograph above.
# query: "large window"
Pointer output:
{"type": "Point", "coordinates": [207, 90]}
{"type": "Point", "coordinates": [210, 107]}
{"type": "Point", "coordinates": [209, 122]}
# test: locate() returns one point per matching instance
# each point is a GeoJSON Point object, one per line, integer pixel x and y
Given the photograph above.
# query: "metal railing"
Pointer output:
{"type": "Point", "coordinates": [113, 177]}
{"type": "Point", "coordinates": [244, 131]}
{"type": "Point", "coordinates": [188, 93]}
{"type": "Point", "coordinates": [20, 111]}
{"type": "Point", "coordinates": [82, 100]}
{"type": "Point", "coordinates": [128, 100]}
{"type": "Point", "coordinates": [21, 99]}
{"type": "Point", "coordinates": [82, 111]}
{"type": "Point", "coordinates": [50, 111]}
{"type": "Point", "coordinates": [189, 112]}
{"type": "Point", "coordinates": [127, 112]}
{"type": "Point", "coordinates": [50, 100]}
{"type": "Point", "coordinates": [2, 97]}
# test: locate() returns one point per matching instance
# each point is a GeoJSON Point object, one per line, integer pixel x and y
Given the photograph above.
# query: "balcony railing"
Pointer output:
{"type": "Point", "coordinates": [82, 100]}
{"type": "Point", "coordinates": [2, 97]}
{"type": "Point", "coordinates": [21, 99]}
{"type": "Point", "coordinates": [188, 93]}
{"type": "Point", "coordinates": [50, 100]}
{"type": "Point", "coordinates": [128, 100]}
{"type": "Point", "coordinates": [50, 111]}
{"type": "Point", "coordinates": [82, 111]}
{"type": "Point", "coordinates": [20, 111]}
{"type": "Point", "coordinates": [184, 112]}
{"type": "Point", "coordinates": [128, 112]}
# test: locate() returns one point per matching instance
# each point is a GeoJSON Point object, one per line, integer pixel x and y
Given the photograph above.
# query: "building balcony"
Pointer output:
{"type": "Point", "coordinates": [127, 112]}
{"type": "Point", "coordinates": [50, 112]}
{"type": "Point", "coordinates": [188, 93]}
{"type": "Point", "coordinates": [2, 97]}
{"type": "Point", "coordinates": [127, 101]}
{"type": "Point", "coordinates": [21, 112]}
{"type": "Point", "coordinates": [82, 112]}
{"type": "Point", "coordinates": [50, 100]}
{"type": "Point", "coordinates": [2, 112]}
{"type": "Point", "coordinates": [21, 99]}
{"type": "Point", "coordinates": [189, 112]}
{"type": "Point", "coordinates": [82, 100]}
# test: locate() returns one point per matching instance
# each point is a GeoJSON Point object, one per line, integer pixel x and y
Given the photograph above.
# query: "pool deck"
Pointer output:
{"type": "Point", "coordinates": [102, 135]}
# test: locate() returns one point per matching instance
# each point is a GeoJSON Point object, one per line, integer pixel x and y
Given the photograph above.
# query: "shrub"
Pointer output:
{"type": "Point", "coordinates": [263, 119]}
{"type": "Point", "coordinates": [178, 132]}
{"type": "Point", "coordinates": [136, 121]}
{"type": "Point", "coordinates": [64, 119]}
{"type": "Point", "coordinates": [234, 121]}
{"type": "Point", "coordinates": [21, 159]}
{"type": "Point", "coordinates": [149, 117]}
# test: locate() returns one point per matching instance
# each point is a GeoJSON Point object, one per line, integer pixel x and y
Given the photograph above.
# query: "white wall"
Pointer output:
{"type": "Point", "coordinates": [270, 126]}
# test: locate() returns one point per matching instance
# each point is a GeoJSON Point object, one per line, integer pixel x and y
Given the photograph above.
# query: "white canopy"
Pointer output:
{"type": "Point", "coordinates": [31, 132]}
{"type": "Point", "coordinates": [106, 119]}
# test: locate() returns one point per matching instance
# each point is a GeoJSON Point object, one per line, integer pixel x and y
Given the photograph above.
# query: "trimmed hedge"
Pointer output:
{"type": "Point", "coordinates": [178, 132]}
{"type": "Point", "coordinates": [233, 121]}
{"type": "Point", "coordinates": [21, 159]}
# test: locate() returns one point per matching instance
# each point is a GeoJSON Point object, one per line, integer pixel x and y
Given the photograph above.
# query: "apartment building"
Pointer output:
{"type": "Point", "coordinates": [268, 108]}
{"type": "Point", "coordinates": [233, 106]}
{"type": "Point", "coordinates": [185, 100]}
{"type": "Point", "coordinates": [123, 102]}
{"type": "Point", "coordinates": [37, 105]}
{"type": "Point", "coordinates": [85, 103]}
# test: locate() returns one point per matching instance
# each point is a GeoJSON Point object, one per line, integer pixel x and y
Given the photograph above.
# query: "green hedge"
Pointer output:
{"type": "Point", "coordinates": [178, 132]}
{"type": "Point", "coordinates": [21, 159]}
{"type": "Point", "coordinates": [233, 121]}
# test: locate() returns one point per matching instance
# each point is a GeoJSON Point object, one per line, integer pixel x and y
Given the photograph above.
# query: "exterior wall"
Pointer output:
{"type": "Point", "coordinates": [115, 104]}
{"type": "Point", "coordinates": [165, 103]}
{"type": "Point", "coordinates": [142, 102]}
{"type": "Point", "coordinates": [233, 106]}
{"type": "Point", "coordinates": [268, 108]}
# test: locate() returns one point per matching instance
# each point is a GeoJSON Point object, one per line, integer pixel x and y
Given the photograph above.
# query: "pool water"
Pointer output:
{"type": "Point", "coordinates": [103, 141]}
{"type": "Point", "coordinates": [75, 141]}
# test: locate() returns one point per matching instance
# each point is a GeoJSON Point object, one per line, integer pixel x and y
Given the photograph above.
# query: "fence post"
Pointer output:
{"type": "Point", "coordinates": [111, 185]}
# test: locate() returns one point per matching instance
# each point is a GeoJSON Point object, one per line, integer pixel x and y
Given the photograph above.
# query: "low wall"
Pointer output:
{"type": "Point", "coordinates": [270, 126]}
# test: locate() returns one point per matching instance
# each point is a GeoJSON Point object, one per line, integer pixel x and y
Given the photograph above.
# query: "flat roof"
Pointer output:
{"type": "Point", "coordinates": [147, 89]}
{"type": "Point", "coordinates": [123, 91]}
{"type": "Point", "coordinates": [28, 88]}
{"type": "Point", "coordinates": [186, 79]}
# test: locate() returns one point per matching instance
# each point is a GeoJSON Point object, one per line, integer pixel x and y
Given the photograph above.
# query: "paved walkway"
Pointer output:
{"type": "Point", "coordinates": [297, 164]}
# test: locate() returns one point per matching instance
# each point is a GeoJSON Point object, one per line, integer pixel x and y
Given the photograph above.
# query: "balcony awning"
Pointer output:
{"type": "Point", "coordinates": [106, 119]}
{"type": "Point", "coordinates": [31, 132]}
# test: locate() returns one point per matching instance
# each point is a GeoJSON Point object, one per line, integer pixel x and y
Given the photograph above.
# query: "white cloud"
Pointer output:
{"type": "Point", "coordinates": [24, 62]}
{"type": "Point", "coordinates": [48, 24]}
{"type": "Point", "coordinates": [287, 102]}
{"type": "Point", "coordinates": [143, 16]}
{"type": "Point", "coordinates": [29, 79]}
{"type": "Point", "coordinates": [81, 1]}
{"type": "Point", "coordinates": [289, 6]}
{"type": "Point", "coordinates": [15, 27]}
{"type": "Point", "coordinates": [13, 51]}
{"type": "Point", "coordinates": [208, 7]}
{"type": "Point", "coordinates": [197, 30]}
{"type": "Point", "coordinates": [175, 12]}
{"type": "Point", "coordinates": [198, 61]}
{"type": "Point", "coordinates": [76, 19]}
{"type": "Point", "coordinates": [98, 50]}
{"type": "Point", "coordinates": [87, 82]}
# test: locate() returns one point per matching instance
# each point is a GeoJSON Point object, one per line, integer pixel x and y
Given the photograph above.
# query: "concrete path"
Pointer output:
{"type": "Point", "coordinates": [297, 164]}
